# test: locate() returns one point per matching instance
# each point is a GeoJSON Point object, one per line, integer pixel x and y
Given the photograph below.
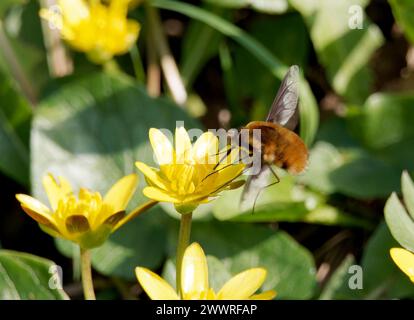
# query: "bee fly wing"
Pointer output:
{"type": "Point", "coordinates": [253, 186]}
{"type": "Point", "coordinates": [284, 109]}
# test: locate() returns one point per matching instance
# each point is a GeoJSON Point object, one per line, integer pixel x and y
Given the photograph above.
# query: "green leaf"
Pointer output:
{"type": "Point", "coordinates": [25, 58]}
{"type": "Point", "coordinates": [343, 51]}
{"type": "Point", "coordinates": [267, 6]}
{"type": "Point", "coordinates": [290, 50]}
{"type": "Point", "coordinates": [291, 269]}
{"type": "Point", "coordinates": [200, 44]}
{"type": "Point", "coordinates": [298, 212]}
{"type": "Point", "coordinates": [337, 279]}
{"type": "Point", "coordinates": [284, 202]}
{"type": "Point", "coordinates": [335, 131]}
{"type": "Point", "coordinates": [227, 206]}
{"type": "Point", "coordinates": [402, 10]}
{"type": "Point", "coordinates": [139, 243]}
{"type": "Point", "coordinates": [407, 187]}
{"type": "Point", "coordinates": [15, 116]}
{"type": "Point", "coordinates": [385, 120]}
{"type": "Point", "coordinates": [309, 115]}
{"type": "Point", "coordinates": [92, 130]}
{"type": "Point", "coordinates": [7, 4]}
{"type": "Point", "coordinates": [323, 159]}
{"type": "Point", "coordinates": [24, 276]}
{"type": "Point", "coordinates": [365, 177]}
{"type": "Point", "coordinates": [340, 164]}
{"type": "Point", "coordinates": [399, 222]}
{"type": "Point", "coordinates": [381, 277]}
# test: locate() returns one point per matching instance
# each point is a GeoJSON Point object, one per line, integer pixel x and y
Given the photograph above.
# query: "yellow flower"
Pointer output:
{"type": "Point", "coordinates": [99, 30]}
{"type": "Point", "coordinates": [87, 220]}
{"type": "Point", "coordinates": [404, 259]}
{"type": "Point", "coordinates": [194, 275]}
{"type": "Point", "coordinates": [190, 174]}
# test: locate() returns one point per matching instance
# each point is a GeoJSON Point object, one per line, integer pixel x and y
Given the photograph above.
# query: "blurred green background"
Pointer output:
{"type": "Point", "coordinates": [357, 117]}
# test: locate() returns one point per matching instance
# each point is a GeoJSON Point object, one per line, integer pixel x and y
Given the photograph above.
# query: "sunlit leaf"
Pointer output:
{"type": "Point", "coordinates": [407, 187]}
{"type": "Point", "coordinates": [342, 49]}
{"type": "Point", "coordinates": [27, 277]}
{"type": "Point", "coordinates": [399, 222]}
{"type": "Point", "coordinates": [402, 10]}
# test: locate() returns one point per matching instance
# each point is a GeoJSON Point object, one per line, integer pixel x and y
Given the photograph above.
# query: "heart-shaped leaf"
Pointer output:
{"type": "Point", "coordinates": [27, 277]}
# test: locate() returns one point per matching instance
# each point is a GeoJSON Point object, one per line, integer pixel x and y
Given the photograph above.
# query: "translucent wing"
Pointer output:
{"type": "Point", "coordinates": [284, 107]}
{"type": "Point", "coordinates": [253, 186]}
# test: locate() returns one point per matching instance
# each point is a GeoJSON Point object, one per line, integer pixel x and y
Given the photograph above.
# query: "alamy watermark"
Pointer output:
{"type": "Point", "coordinates": [356, 17]}
{"type": "Point", "coordinates": [56, 278]}
{"type": "Point", "coordinates": [356, 279]}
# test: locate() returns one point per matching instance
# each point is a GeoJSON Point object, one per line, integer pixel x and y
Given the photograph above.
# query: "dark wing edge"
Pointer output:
{"type": "Point", "coordinates": [284, 109]}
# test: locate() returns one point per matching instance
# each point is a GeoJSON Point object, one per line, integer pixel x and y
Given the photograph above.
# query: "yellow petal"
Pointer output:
{"type": "Point", "coordinates": [56, 189]}
{"type": "Point", "coordinates": [162, 147]}
{"type": "Point", "coordinates": [194, 272]}
{"type": "Point", "coordinates": [119, 7]}
{"type": "Point", "coordinates": [227, 175]}
{"type": "Point", "coordinates": [183, 146]}
{"type": "Point", "coordinates": [73, 11]}
{"type": "Point", "coordinates": [132, 31]}
{"type": "Point", "coordinates": [151, 174]}
{"type": "Point", "coordinates": [50, 230]}
{"type": "Point", "coordinates": [155, 287]}
{"type": "Point", "coordinates": [121, 192]}
{"type": "Point", "coordinates": [218, 179]}
{"type": "Point", "coordinates": [404, 259]}
{"type": "Point", "coordinates": [243, 285]}
{"type": "Point", "coordinates": [205, 149]}
{"type": "Point", "coordinates": [159, 195]}
{"type": "Point", "coordinates": [267, 295]}
{"type": "Point", "coordinates": [35, 209]}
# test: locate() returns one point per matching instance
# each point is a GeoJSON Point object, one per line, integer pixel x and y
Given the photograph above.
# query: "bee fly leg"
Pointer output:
{"type": "Point", "coordinates": [226, 166]}
{"type": "Point", "coordinates": [273, 183]}
{"type": "Point", "coordinates": [276, 176]}
{"type": "Point", "coordinates": [228, 151]}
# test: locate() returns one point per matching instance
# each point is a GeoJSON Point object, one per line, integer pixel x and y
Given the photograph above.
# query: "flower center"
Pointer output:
{"type": "Point", "coordinates": [186, 178]}
{"type": "Point", "coordinates": [88, 205]}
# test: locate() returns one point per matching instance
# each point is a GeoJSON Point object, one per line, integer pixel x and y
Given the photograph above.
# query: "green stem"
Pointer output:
{"type": "Point", "coordinates": [86, 269]}
{"type": "Point", "coordinates": [16, 68]}
{"type": "Point", "coordinates": [135, 213]}
{"type": "Point", "coordinates": [183, 241]}
{"type": "Point", "coordinates": [137, 64]}
{"type": "Point", "coordinates": [76, 263]}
